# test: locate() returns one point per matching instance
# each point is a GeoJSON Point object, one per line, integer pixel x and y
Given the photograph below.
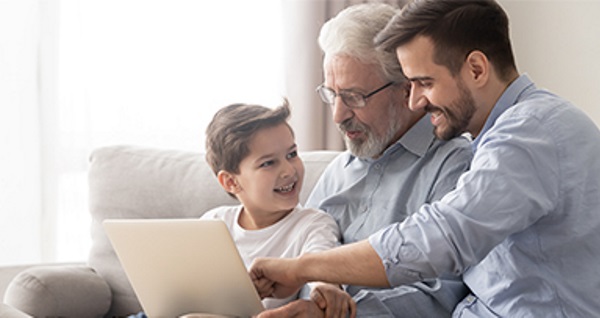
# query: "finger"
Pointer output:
{"type": "Point", "coordinates": [334, 308]}
{"type": "Point", "coordinates": [318, 298]}
{"type": "Point", "coordinates": [263, 284]}
{"type": "Point", "coordinates": [264, 287]}
{"type": "Point", "coordinates": [345, 309]}
{"type": "Point", "coordinates": [352, 308]}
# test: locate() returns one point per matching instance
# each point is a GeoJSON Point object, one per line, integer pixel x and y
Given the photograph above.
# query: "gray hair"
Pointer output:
{"type": "Point", "coordinates": [352, 32]}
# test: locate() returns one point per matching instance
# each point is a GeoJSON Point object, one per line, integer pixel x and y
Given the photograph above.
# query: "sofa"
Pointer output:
{"type": "Point", "coordinates": [124, 182]}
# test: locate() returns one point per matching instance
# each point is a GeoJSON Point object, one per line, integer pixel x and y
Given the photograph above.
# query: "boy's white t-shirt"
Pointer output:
{"type": "Point", "coordinates": [301, 231]}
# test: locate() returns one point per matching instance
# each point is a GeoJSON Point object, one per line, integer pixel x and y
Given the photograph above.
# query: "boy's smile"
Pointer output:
{"type": "Point", "coordinates": [270, 177]}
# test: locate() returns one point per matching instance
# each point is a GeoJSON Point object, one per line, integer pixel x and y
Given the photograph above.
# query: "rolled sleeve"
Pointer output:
{"type": "Point", "coordinates": [388, 244]}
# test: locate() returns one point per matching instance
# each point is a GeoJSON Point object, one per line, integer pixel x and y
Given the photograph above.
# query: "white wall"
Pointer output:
{"type": "Point", "coordinates": [558, 44]}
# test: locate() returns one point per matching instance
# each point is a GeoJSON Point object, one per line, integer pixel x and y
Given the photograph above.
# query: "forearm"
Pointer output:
{"type": "Point", "coordinates": [352, 264]}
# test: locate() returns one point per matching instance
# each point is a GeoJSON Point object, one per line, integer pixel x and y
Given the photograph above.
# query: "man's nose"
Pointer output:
{"type": "Point", "coordinates": [416, 100]}
{"type": "Point", "coordinates": [341, 112]}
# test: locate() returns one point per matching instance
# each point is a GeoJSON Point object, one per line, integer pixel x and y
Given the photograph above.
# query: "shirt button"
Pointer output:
{"type": "Point", "coordinates": [377, 166]}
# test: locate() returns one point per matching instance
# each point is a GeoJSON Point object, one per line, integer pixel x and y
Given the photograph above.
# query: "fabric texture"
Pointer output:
{"type": "Point", "coordinates": [523, 224]}
{"type": "Point", "coordinates": [74, 291]}
{"type": "Point", "coordinates": [301, 231]}
{"type": "Point", "coordinates": [365, 196]}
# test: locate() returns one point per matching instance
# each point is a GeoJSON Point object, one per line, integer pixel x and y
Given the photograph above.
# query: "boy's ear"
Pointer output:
{"type": "Point", "coordinates": [228, 182]}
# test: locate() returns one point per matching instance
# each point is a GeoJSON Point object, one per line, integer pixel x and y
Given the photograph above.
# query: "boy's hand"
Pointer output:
{"type": "Point", "coordinates": [264, 287]}
{"type": "Point", "coordinates": [275, 277]}
{"type": "Point", "coordinates": [333, 300]}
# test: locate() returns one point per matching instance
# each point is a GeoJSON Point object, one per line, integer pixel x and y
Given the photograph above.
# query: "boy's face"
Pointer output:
{"type": "Point", "coordinates": [271, 176]}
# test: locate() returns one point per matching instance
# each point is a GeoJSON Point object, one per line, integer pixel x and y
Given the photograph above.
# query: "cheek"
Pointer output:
{"type": "Point", "coordinates": [440, 97]}
{"type": "Point", "coordinates": [301, 171]}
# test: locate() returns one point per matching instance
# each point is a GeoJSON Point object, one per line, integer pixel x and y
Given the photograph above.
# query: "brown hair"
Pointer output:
{"type": "Point", "coordinates": [232, 128]}
{"type": "Point", "coordinates": [456, 28]}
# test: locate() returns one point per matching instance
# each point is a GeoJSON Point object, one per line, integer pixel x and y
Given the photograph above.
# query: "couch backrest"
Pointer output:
{"type": "Point", "coordinates": [134, 182]}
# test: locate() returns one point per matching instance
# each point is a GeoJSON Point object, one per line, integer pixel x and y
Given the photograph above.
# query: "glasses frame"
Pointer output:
{"type": "Point", "coordinates": [322, 89]}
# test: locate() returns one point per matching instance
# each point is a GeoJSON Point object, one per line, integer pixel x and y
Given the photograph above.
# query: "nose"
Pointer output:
{"type": "Point", "coordinates": [287, 169]}
{"type": "Point", "coordinates": [416, 100]}
{"type": "Point", "coordinates": [340, 111]}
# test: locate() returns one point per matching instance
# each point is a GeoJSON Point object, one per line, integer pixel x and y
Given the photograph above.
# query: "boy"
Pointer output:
{"type": "Point", "coordinates": [252, 151]}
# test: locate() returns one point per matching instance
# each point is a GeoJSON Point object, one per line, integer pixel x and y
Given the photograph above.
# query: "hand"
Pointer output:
{"type": "Point", "coordinates": [332, 299]}
{"type": "Point", "coordinates": [275, 277]}
{"type": "Point", "coordinates": [264, 287]}
{"type": "Point", "coordinates": [300, 308]}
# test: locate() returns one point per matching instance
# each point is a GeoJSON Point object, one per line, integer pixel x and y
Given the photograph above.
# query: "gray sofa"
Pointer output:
{"type": "Point", "coordinates": [124, 182]}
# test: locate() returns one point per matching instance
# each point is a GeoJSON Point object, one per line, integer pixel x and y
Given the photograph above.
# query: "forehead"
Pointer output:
{"type": "Point", "coordinates": [347, 72]}
{"type": "Point", "coordinates": [416, 58]}
{"type": "Point", "coordinates": [271, 140]}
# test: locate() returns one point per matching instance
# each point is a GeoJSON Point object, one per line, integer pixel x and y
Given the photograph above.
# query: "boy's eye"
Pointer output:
{"type": "Point", "coordinates": [292, 154]}
{"type": "Point", "coordinates": [267, 163]}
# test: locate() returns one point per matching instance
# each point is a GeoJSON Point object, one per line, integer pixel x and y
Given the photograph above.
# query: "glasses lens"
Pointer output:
{"type": "Point", "coordinates": [353, 100]}
{"type": "Point", "coordinates": [327, 95]}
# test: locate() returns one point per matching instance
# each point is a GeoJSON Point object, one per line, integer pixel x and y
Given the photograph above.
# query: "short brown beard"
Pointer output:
{"type": "Point", "coordinates": [458, 121]}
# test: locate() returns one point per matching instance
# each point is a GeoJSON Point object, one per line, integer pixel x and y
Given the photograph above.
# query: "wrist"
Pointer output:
{"type": "Point", "coordinates": [302, 269]}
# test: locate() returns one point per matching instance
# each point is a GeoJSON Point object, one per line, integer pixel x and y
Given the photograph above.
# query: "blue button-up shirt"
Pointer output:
{"type": "Point", "coordinates": [523, 225]}
{"type": "Point", "coordinates": [366, 195]}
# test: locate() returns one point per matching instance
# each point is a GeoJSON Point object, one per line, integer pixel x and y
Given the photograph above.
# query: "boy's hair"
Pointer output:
{"type": "Point", "coordinates": [231, 129]}
{"type": "Point", "coordinates": [456, 28]}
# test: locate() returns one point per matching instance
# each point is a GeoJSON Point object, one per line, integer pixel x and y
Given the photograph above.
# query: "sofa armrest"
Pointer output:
{"type": "Point", "coordinates": [59, 291]}
{"type": "Point", "coordinates": [8, 311]}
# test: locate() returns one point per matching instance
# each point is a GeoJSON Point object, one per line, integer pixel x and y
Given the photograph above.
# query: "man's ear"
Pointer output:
{"type": "Point", "coordinates": [478, 68]}
{"type": "Point", "coordinates": [228, 182]}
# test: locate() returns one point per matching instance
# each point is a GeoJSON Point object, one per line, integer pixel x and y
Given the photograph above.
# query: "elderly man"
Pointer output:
{"type": "Point", "coordinates": [393, 165]}
{"type": "Point", "coordinates": [523, 224]}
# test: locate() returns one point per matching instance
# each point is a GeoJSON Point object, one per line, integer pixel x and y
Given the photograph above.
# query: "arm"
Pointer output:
{"type": "Point", "coordinates": [336, 266]}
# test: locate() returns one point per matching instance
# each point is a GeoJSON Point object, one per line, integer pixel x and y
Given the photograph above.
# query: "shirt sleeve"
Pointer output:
{"type": "Point", "coordinates": [513, 182]}
{"type": "Point", "coordinates": [321, 232]}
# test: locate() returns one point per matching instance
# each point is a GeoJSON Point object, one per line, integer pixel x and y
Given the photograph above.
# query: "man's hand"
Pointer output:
{"type": "Point", "coordinates": [332, 299]}
{"type": "Point", "coordinates": [300, 308]}
{"type": "Point", "coordinates": [275, 277]}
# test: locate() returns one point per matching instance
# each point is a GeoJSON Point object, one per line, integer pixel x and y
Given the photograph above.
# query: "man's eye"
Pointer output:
{"type": "Point", "coordinates": [292, 154]}
{"type": "Point", "coordinates": [425, 84]}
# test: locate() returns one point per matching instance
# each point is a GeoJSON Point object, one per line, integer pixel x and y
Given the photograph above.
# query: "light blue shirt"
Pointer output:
{"type": "Point", "coordinates": [365, 196]}
{"type": "Point", "coordinates": [523, 225]}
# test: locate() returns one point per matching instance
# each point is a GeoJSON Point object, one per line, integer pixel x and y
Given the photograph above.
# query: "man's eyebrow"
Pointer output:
{"type": "Point", "coordinates": [420, 78]}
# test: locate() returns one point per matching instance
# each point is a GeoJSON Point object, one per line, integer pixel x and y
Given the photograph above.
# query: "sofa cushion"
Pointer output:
{"type": "Point", "coordinates": [133, 182]}
{"type": "Point", "coordinates": [59, 291]}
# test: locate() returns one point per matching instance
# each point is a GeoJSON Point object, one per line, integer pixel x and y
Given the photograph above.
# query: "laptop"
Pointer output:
{"type": "Point", "coordinates": [183, 266]}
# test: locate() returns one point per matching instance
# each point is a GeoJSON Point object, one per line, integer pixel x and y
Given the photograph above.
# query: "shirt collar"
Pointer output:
{"type": "Point", "coordinates": [509, 98]}
{"type": "Point", "coordinates": [417, 140]}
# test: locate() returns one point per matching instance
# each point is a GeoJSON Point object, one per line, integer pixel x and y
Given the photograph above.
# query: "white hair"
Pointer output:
{"type": "Point", "coordinates": [352, 32]}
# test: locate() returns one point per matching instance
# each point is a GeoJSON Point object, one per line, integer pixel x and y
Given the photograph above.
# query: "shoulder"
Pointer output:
{"type": "Point", "coordinates": [221, 212]}
{"type": "Point", "coordinates": [457, 149]}
{"type": "Point", "coordinates": [312, 217]}
{"type": "Point", "coordinates": [547, 116]}
{"type": "Point", "coordinates": [340, 161]}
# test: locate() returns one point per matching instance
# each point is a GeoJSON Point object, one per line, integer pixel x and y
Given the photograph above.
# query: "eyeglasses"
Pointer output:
{"type": "Point", "coordinates": [351, 99]}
